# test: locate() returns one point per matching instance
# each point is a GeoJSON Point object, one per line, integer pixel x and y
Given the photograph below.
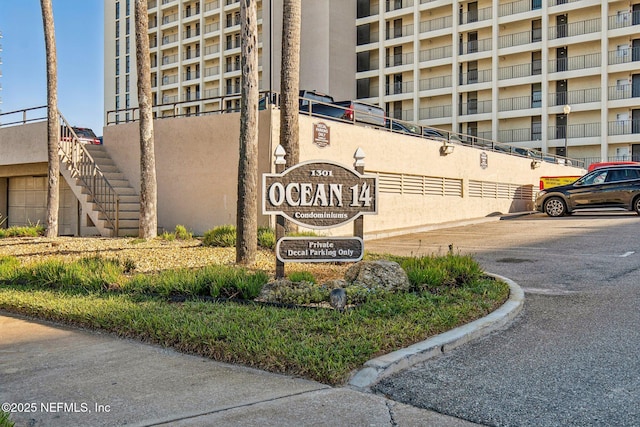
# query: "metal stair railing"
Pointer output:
{"type": "Point", "coordinates": [84, 168]}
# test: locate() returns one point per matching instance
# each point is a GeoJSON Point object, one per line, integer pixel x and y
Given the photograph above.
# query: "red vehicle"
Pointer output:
{"type": "Point", "coordinates": [85, 135]}
{"type": "Point", "coordinates": [593, 166]}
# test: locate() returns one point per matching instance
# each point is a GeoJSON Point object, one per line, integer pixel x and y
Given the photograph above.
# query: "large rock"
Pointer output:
{"type": "Point", "coordinates": [383, 274]}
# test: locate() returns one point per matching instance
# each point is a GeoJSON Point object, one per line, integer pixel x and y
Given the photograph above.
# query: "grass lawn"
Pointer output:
{"type": "Point", "coordinates": [99, 291]}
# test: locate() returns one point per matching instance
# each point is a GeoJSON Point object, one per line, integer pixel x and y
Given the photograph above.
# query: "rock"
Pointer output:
{"type": "Point", "coordinates": [338, 298]}
{"type": "Point", "coordinates": [335, 284]}
{"type": "Point", "coordinates": [384, 274]}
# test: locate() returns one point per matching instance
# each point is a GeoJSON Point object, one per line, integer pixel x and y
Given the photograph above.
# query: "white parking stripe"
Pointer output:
{"type": "Point", "coordinates": [627, 254]}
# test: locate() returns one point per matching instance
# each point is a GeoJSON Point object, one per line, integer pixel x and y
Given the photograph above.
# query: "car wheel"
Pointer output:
{"type": "Point", "coordinates": [555, 207]}
{"type": "Point", "coordinates": [636, 205]}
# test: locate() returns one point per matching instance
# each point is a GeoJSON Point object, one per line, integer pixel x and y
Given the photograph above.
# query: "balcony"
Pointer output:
{"type": "Point", "coordinates": [212, 93]}
{"type": "Point", "coordinates": [575, 29]}
{"type": "Point", "coordinates": [475, 46]}
{"type": "Point", "coordinates": [476, 16]}
{"type": "Point", "coordinates": [519, 39]}
{"type": "Point", "coordinates": [399, 88]}
{"type": "Point", "coordinates": [392, 5]}
{"type": "Point", "coordinates": [520, 6]}
{"type": "Point", "coordinates": [519, 135]}
{"type": "Point", "coordinates": [232, 66]}
{"type": "Point", "coordinates": [474, 107]}
{"type": "Point", "coordinates": [367, 9]}
{"type": "Point", "coordinates": [574, 97]}
{"type": "Point", "coordinates": [623, 92]}
{"type": "Point", "coordinates": [188, 96]}
{"type": "Point", "coordinates": [191, 33]}
{"type": "Point", "coordinates": [436, 24]}
{"type": "Point", "coordinates": [624, 127]}
{"type": "Point", "coordinates": [401, 59]}
{"type": "Point", "coordinates": [213, 27]}
{"type": "Point", "coordinates": [212, 5]}
{"type": "Point", "coordinates": [575, 63]}
{"type": "Point", "coordinates": [192, 76]}
{"type": "Point", "coordinates": [397, 32]}
{"type": "Point", "coordinates": [168, 19]}
{"type": "Point", "coordinates": [624, 55]}
{"type": "Point", "coordinates": [167, 80]}
{"type": "Point", "coordinates": [624, 20]}
{"type": "Point", "coordinates": [233, 90]}
{"type": "Point", "coordinates": [212, 71]}
{"type": "Point", "coordinates": [520, 103]}
{"type": "Point", "coordinates": [475, 76]}
{"type": "Point", "coordinates": [190, 55]}
{"type": "Point", "coordinates": [169, 59]}
{"type": "Point", "coordinates": [372, 65]}
{"type": "Point", "coordinates": [435, 112]}
{"type": "Point", "coordinates": [173, 38]}
{"type": "Point", "coordinates": [519, 71]}
{"type": "Point", "coordinates": [436, 53]}
{"type": "Point", "coordinates": [581, 130]}
{"type": "Point", "coordinates": [211, 49]}
{"type": "Point", "coordinates": [435, 83]}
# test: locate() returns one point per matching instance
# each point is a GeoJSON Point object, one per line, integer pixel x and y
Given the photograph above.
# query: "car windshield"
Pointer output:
{"type": "Point", "coordinates": [84, 133]}
{"type": "Point", "coordinates": [596, 177]}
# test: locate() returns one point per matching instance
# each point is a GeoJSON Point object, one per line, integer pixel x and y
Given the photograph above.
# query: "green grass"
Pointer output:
{"type": "Point", "coordinates": [5, 420]}
{"type": "Point", "coordinates": [31, 231]}
{"type": "Point", "coordinates": [319, 344]}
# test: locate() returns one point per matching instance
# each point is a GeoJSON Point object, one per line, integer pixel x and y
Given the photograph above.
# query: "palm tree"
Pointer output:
{"type": "Point", "coordinates": [148, 182]}
{"type": "Point", "coordinates": [247, 214]}
{"type": "Point", "coordinates": [53, 126]}
{"type": "Point", "coordinates": [290, 80]}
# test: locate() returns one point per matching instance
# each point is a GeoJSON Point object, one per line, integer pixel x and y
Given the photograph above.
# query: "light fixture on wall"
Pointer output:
{"type": "Point", "coordinates": [535, 164]}
{"type": "Point", "coordinates": [446, 149]}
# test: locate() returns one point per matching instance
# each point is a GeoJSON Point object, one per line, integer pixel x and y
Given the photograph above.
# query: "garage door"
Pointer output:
{"type": "Point", "coordinates": [28, 203]}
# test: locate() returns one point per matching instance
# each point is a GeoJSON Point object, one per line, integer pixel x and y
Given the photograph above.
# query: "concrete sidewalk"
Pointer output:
{"type": "Point", "coordinates": [59, 376]}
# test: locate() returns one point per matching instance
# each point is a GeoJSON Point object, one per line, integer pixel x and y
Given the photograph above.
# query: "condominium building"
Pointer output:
{"type": "Point", "coordinates": [543, 74]}
{"type": "Point", "coordinates": [195, 53]}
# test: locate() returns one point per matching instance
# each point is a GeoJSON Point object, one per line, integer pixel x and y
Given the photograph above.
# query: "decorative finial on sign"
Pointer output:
{"type": "Point", "coordinates": [279, 154]}
{"type": "Point", "coordinates": [359, 156]}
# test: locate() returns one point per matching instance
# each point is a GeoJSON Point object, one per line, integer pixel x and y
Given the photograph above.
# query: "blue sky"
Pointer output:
{"type": "Point", "coordinates": [79, 26]}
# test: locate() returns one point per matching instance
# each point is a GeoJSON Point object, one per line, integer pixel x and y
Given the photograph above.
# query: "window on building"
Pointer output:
{"type": "Point", "coordinates": [117, 10]}
{"type": "Point", "coordinates": [127, 45]}
{"type": "Point", "coordinates": [117, 102]}
{"type": "Point", "coordinates": [622, 50]}
{"type": "Point", "coordinates": [128, 8]}
{"type": "Point", "coordinates": [117, 66]}
{"type": "Point", "coordinates": [127, 25]}
{"type": "Point", "coordinates": [621, 84]}
{"type": "Point", "coordinates": [117, 85]}
{"type": "Point", "coordinates": [536, 95]}
{"type": "Point", "coordinates": [127, 65]}
{"type": "Point", "coordinates": [536, 30]}
{"type": "Point", "coordinates": [127, 85]}
{"type": "Point", "coordinates": [117, 29]}
{"type": "Point", "coordinates": [127, 99]}
{"type": "Point", "coordinates": [536, 128]}
{"type": "Point", "coordinates": [117, 47]}
{"type": "Point", "coordinates": [229, 20]}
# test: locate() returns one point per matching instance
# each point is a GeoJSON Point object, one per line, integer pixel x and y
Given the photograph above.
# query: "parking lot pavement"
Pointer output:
{"type": "Point", "coordinates": [571, 358]}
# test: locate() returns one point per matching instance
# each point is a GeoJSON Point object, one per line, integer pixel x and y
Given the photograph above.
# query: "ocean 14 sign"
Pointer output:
{"type": "Point", "coordinates": [319, 194]}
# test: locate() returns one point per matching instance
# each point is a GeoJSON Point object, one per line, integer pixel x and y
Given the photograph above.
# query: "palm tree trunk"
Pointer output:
{"type": "Point", "coordinates": [290, 80]}
{"type": "Point", "coordinates": [247, 207]}
{"type": "Point", "coordinates": [53, 126]}
{"type": "Point", "coordinates": [148, 182]}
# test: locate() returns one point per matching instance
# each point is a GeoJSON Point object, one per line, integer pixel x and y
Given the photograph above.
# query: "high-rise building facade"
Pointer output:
{"type": "Point", "coordinates": [541, 74]}
{"type": "Point", "coordinates": [195, 53]}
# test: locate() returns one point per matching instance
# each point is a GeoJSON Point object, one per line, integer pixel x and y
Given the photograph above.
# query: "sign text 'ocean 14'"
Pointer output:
{"type": "Point", "coordinates": [320, 194]}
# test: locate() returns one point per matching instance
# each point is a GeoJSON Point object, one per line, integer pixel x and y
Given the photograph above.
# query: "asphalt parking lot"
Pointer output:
{"type": "Point", "coordinates": [571, 358]}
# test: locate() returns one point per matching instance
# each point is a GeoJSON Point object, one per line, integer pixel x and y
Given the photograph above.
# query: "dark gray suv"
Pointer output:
{"type": "Point", "coordinates": [608, 187]}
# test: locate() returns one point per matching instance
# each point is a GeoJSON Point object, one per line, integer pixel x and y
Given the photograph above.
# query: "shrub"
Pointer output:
{"type": "Point", "coordinates": [431, 272]}
{"type": "Point", "coordinates": [221, 236]}
{"type": "Point", "coordinates": [30, 231]}
{"type": "Point", "coordinates": [170, 237]}
{"type": "Point", "coordinates": [5, 420]}
{"type": "Point", "coordinates": [302, 276]}
{"type": "Point", "coordinates": [181, 233]}
{"type": "Point", "coordinates": [266, 238]}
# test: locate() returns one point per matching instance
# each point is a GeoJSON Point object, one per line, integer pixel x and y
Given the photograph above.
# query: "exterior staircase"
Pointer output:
{"type": "Point", "coordinates": [103, 191]}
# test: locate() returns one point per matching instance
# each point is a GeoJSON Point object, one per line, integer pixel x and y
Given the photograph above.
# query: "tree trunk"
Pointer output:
{"type": "Point", "coordinates": [53, 126]}
{"type": "Point", "coordinates": [247, 208]}
{"type": "Point", "coordinates": [148, 183]}
{"type": "Point", "coordinates": [290, 81]}
{"type": "Point", "coordinates": [290, 87]}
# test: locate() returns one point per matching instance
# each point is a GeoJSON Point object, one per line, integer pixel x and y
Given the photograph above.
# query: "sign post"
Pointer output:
{"type": "Point", "coordinates": [319, 195]}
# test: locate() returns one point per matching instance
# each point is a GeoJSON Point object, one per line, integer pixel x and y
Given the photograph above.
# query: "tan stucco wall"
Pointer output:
{"type": "Point", "coordinates": [23, 144]}
{"type": "Point", "coordinates": [196, 163]}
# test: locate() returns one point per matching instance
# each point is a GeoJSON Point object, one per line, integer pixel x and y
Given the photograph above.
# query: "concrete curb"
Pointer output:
{"type": "Point", "coordinates": [376, 369]}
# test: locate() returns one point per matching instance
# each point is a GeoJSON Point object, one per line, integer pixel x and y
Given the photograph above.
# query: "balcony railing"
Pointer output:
{"type": "Point", "coordinates": [191, 33]}
{"type": "Point", "coordinates": [520, 103]}
{"type": "Point", "coordinates": [476, 15]}
{"type": "Point", "coordinates": [624, 19]}
{"type": "Point", "coordinates": [574, 63]}
{"type": "Point", "coordinates": [436, 24]}
{"type": "Point", "coordinates": [520, 6]}
{"type": "Point", "coordinates": [188, 96]}
{"type": "Point", "coordinates": [169, 18]}
{"type": "Point", "coordinates": [170, 59]}
{"type": "Point", "coordinates": [210, 28]}
{"type": "Point", "coordinates": [435, 112]}
{"type": "Point", "coordinates": [212, 93]}
{"type": "Point", "coordinates": [402, 59]}
{"type": "Point", "coordinates": [624, 127]}
{"type": "Point", "coordinates": [392, 5]}
{"type": "Point", "coordinates": [367, 9]}
{"type": "Point", "coordinates": [436, 53]}
{"type": "Point", "coordinates": [519, 135]}
{"type": "Point", "coordinates": [211, 49]}
{"type": "Point", "coordinates": [191, 55]}
{"type": "Point", "coordinates": [399, 88]}
{"type": "Point", "coordinates": [232, 66]}
{"type": "Point", "coordinates": [373, 64]}
{"type": "Point", "coordinates": [581, 130]}
{"type": "Point", "coordinates": [435, 83]}
{"type": "Point", "coordinates": [623, 92]}
{"type": "Point", "coordinates": [518, 71]}
{"type": "Point", "coordinates": [475, 46]}
{"type": "Point", "coordinates": [519, 39]}
{"type": "Point", "coordinates": [624, 55]}
{"type": "Point", "coordinates": [575, 29]}
{"type": "Point", "coordinates": [474, 107]}
{"type": "Point", "coordinates": [473, 77]}
{"type": "Point", "coordinates": [169, 39]}
{"type": "Point", "coordinates": [211, 71]}
{"type": "Point", "coordinates": [167, 80]}
{"type": "Point", "coordinates": [574, 97]}
{"type": "Point", "coordinates": [192, 75]}
{"type": "Point", "coordinates": [367, 38]}
{"type": "Point", "coordinates": [212, 5]}
{"type": "Point", "coordinates": [397, 32]}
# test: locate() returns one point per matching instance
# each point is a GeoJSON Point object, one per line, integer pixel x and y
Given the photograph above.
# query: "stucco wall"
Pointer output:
{"type": "Point", "coordinates": [23, 144]}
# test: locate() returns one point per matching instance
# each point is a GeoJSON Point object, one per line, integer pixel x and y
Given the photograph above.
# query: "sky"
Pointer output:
{"type": "Point", "coordinates": [79, 27]}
